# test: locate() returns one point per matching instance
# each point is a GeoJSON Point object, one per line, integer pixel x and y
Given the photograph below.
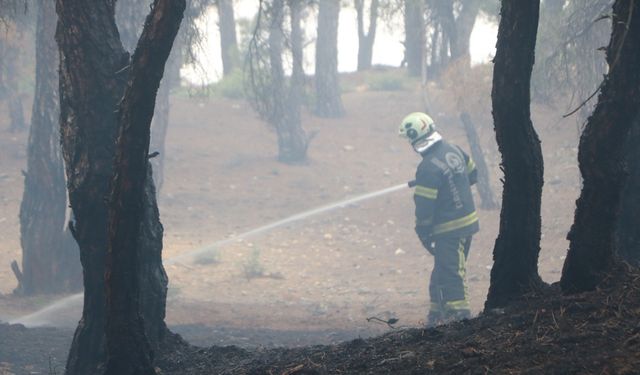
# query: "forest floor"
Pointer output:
{"type": "Point", "coordinates": [314, 282]}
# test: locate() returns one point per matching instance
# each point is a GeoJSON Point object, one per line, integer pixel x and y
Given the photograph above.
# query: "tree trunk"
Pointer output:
{"type": "Point", "coordinates": [328, 97]}
{"type": "Point", "coordinates": [50, 261]}
{"type": "Point", "coordinates": [228, 39]}
{"type": "Point", "coordinates": [414, 30]}
{"type": "Point", "coordinates": [128, 349]}
{"type": "Point", "coordinates": [285, 112]}
{"type": "Point", "coordinates": [601, 157]}
{"type": "Point", "coordinates": [93, 73]}
{"type": "Point", "coordinates": [366, 40]}
{"type": "Point", "coordinates": [627, 235]}
{"type": "Point", "coordinates": [487, 198]}
{"type": "Point", "coordinates": [294, 140]}
{"type": "Point", "coordinates": [515, 269]}
{"type": "Point", "coordinates": [464, 26]}
{"type": "Point", "coordinates": [450, 49]}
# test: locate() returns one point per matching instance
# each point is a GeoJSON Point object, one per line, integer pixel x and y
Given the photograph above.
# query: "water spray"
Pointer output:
{"type": "Point", "coordinates": [40, 317]}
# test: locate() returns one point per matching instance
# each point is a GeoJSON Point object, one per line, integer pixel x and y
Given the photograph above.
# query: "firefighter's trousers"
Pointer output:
{"type": "Point", "coordinates": [448, 287]}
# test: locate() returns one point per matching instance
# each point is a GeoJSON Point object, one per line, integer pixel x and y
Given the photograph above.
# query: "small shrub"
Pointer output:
{"type": "Point", "coordinates": [252, 268]}
{"type": "Point", "coordinates": [210, 257]}
{"type": "Point", "coordinates": [387, 81]}
{"type": "Point", "coordinates": [231, 86]}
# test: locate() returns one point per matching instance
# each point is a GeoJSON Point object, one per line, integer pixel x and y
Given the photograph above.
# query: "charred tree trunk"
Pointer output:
{"type": "Point", "coordinates": [515, 269]}
{"type": "Point", "coordinates": [228, 39]}
{"type": "Point", "coordinates": [627, 235]}
{"type": "Point", "coordinates": [601, 157]}
{"type": "Point", "coordinates": [328, 97]}
{"type": "Point", "coordinates": [50, 261]}
{"type": "Point", "coordinates": [487, 198]}
{"type": "Point", "coordinates": [366, 39]}
{"type": "Point", "coordinates": [128, 349]}
{"type": "Point", "coordinates": [93, 74]}
{"type": "Point", "coordinates": [414, 42]}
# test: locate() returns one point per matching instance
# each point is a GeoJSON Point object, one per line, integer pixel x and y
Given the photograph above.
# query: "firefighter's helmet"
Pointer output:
{"type": "Point", "coordinates": [420, 130]}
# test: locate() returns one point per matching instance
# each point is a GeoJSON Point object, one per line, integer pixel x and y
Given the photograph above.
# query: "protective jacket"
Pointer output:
{"type": "Point", "coordinates": [443, 200]}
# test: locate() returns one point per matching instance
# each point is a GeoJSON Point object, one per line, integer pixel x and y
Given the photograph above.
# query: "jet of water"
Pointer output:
{"type": "Point", "coordinates": [74, 302]}
{"type": "Point", "coordinates": [291, 219]}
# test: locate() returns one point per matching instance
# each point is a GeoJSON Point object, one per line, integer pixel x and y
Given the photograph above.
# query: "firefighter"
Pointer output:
{"type": "Point", "coordinates": [446, 217]}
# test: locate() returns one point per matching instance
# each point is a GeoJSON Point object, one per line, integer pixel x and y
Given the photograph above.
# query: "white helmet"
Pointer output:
{"type": "Point", "coordinates": [420, 130]}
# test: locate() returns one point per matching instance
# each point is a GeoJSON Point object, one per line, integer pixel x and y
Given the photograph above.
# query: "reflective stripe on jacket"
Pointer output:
{"type": "Point", "coordinates": [444, 203]}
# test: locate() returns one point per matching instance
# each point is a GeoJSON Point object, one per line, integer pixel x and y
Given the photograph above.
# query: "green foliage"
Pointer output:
{"type": "Point", "coordinates": [231, 86]}
{"type": "Point", "coordinates": [386, 81]}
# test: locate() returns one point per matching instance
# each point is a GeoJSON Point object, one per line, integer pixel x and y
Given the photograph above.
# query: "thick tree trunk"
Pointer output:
{"type": "Point", "coordinates": [414, 42]}
{"type": "Point", "coordinates": [328, 97]}
{"type": "Point", "coordinates": [93, 73]}
{"type": "Point", "coordinates": [50, 261]}
{"type": "Point", "coordinates": [92, 78]}
{"type": "Point", "coordinates": [487, 198]}
{"type": "Point", "coordinates": [228, 39]}
{"type": "Point", "coordinates": [591, 248]}
{"type": "Point", "coordinates": [366, 39]}
{"type": "Point", "coordinates": [515, 269]}
{"type": "Point", "coordinates": [627, 235]}
{"type": "Point", "coordinates": [127, 346]}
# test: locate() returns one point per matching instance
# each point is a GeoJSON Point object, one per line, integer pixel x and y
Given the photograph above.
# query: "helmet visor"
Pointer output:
{"type": "Point", "coordinates": [422, 144]}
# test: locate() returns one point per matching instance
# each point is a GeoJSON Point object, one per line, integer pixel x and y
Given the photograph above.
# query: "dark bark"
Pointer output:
{"type": "Point", "coordinates": [515, 269]}
{"type": "Point", "coordinates": [228, 39]}
{"type": "Point", "coordinates": [328, 96]}
{"type": "Point", "coordinates": [366, 39]}
{"type": "Point", "coordinates": [92, 78]}
{"type": "Point", "coordinates": [50, 260]}
{"type": "Point", "coordinates": [600, 156]}
{"type": "Point", "coordinates": [487, 198]}
{"type": "Point", "coordinates": [93, 75]}
{"type": "Point", "coordinates": [128, 349]}
{"type": "Point", "coordinates": [414, 42]}
{"type": "Point", "coordinates": [627, 235]}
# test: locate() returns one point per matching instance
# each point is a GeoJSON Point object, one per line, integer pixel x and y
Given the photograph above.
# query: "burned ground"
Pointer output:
{"type": "Point", "coordinates": [589, 333]}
